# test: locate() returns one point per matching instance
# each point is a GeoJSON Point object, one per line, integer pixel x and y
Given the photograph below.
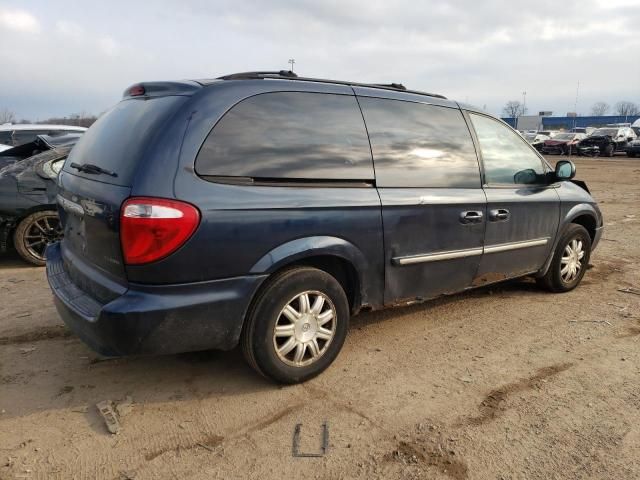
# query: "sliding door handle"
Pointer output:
{"type": "Point", "coordinates": [471, 216]}
{"type": "Point", "coordinates": [499, 215]}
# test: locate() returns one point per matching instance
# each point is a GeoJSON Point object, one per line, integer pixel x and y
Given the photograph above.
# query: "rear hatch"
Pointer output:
{"type": "Point", "coordinates": [96, 178]}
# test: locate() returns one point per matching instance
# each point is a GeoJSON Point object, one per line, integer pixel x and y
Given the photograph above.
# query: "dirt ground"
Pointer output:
{"type": "Point", "coordinates": [505, 382]}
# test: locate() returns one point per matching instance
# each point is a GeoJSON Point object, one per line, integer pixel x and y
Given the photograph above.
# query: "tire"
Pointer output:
{"type": "Point", "coordinates": [277, 357]}
{"type": "Point", "coordinates": [631, 155]}
{"type": "Point", "coordinates": [610, 151]}
{"type": "Point", "coordinates": [34, 233]}
{"type": "Point", "coordinates": [557, 281]}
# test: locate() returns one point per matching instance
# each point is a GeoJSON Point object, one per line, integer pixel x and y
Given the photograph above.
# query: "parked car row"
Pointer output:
{"type": "Point", "coordinates": [13, 135]}
{"type": "Point", "coordinates": [605, 142]}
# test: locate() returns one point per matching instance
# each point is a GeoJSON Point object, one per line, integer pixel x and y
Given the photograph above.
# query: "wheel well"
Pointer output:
{"type": "Point", "coordinates": [588, 222]}
{"type": "Point", "coordinates": [342, 270]}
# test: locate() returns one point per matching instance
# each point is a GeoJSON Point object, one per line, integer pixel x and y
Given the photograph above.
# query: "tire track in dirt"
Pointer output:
{"type": "Point", "coordinates": [493, 405]}
{"type": "Point", "coordinates": [43, 333]}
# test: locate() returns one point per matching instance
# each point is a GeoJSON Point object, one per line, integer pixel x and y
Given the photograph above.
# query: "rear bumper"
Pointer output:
{"type": "Point", "coordinates": [154, 319]}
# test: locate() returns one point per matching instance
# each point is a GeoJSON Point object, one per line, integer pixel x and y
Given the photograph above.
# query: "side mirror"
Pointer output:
{"type": "Point", "coordinates": [565, 170]}
{"type": "Point", "coordinates": [525, 177]}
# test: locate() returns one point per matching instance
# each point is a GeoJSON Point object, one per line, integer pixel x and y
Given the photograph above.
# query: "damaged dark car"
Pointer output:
{"type": "Point", "coordinates": [28, 215]}
{"type": "Point", "coordinates": [605, 142]}
{"type": "Point", "coordinates": [563, 143]}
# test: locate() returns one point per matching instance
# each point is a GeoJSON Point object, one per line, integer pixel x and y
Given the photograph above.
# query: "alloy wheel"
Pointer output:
{"type": "Point", "coordinates": [571, 262]}
{"type": "Point", "coordinates": [42, 232]}
{"type": "Point", "coordinates": [305, 328]}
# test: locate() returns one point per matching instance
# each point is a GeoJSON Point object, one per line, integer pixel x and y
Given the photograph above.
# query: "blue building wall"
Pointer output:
{"type": "Point", "coordinates": [555, 123]}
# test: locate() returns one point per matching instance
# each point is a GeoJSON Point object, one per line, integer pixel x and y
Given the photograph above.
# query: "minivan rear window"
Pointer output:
{"type": "Point", "coordinates": [289, 135]}
{"type": "Point", "coordinates": [419, 145]}
{"type": "Point", "coordinates": [117, 140]}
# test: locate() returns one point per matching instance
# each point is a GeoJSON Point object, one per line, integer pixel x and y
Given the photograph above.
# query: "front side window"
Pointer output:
{"type": "Point", "coordinates": [506, 157]}
{"type": "Point", "coordinates": [418, 145]}
{"type": "Point", "coordinates": [289, 135]}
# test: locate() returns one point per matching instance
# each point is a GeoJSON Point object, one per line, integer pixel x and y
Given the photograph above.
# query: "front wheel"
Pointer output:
{"type": "Point", "coordinates": [570, 260]}
{"type": "Point", "coordinates": [34, 233]}
{"type": "Point", "coordinates": [297, 325]}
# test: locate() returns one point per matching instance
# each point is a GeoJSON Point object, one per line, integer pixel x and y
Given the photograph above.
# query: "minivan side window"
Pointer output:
{"type": "Point", "coordinates": [419, 145]}
{"type": "Point", "coordinates": [289, 135]}
{"type": "Point", "coordinates": [507, 158]}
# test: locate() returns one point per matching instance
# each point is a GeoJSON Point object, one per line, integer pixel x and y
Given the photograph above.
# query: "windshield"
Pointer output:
{"type": "Point", "coordinates": [601, 132]}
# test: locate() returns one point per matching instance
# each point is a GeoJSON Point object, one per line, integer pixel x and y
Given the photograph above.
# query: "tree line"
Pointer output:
{"type": "Point", "coordinates": [624, 108]}
{"type": "Point", "coordinates": [82, 119]}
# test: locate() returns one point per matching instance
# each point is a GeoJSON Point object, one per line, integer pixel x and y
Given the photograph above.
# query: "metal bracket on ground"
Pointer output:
{"type": "Point", "coordinates": [323, 448]}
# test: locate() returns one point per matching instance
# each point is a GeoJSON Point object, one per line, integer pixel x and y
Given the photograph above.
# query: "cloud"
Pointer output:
{"type": "Point", "coordinates": [483, 53]}
{"type": "Point", "coordinates": [69, 29]}
{"type": "Point", "coordinates": [108, 46]}
{"type": "Point", "coordinates": [19, 21]}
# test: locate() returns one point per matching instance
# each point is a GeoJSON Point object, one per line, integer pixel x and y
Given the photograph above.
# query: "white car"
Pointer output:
{"type": "Point", "coordinates": [12, 135]}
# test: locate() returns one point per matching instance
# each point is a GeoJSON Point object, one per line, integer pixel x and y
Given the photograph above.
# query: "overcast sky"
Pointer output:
{"type": "Point", "coordinates": [63, 57]}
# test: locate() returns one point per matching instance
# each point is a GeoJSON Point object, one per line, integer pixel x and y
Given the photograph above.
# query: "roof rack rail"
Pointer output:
{"type": "Point", "coordinates": [397, 86]}
{"type": "Point", "coordinates": [244, 75]}
{"type": "Point", "coordinates": [289, 75]}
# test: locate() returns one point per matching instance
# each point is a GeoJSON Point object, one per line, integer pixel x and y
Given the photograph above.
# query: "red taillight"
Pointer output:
{"type": "Point", "coordinates": [136, 91]}
{"type": "Point", "coordinates": [152, 228]}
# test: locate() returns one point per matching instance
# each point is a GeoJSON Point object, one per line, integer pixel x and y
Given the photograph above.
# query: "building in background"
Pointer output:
{"type": "Point", "coordinates": [543, 122]}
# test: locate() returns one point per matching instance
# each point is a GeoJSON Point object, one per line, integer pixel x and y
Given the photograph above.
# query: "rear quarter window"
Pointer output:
{"type": "Point", "coordinates": [289, 135]}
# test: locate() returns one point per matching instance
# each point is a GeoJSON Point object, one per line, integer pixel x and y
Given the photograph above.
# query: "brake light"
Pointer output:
{"type": "Point", "coordinates": [152, 228]}
{"type": "Point", "coordinates": [136, 91]}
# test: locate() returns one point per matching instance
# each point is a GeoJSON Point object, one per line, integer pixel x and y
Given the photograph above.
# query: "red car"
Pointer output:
{"type": "Point", "coordinates": [563, 143]}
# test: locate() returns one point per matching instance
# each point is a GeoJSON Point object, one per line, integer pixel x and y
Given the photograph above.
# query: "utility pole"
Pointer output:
{"type": "Point", "coordinates": [291, 61]}
{"type": "Point", "coordinates": [524, 102]}
{"type": "Point", "coordinates": [575, 105]}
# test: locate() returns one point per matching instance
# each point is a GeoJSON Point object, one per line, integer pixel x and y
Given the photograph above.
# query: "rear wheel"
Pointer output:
{"type": "Point", "coordinates": [609, 150]}
{"type": "Point", "coordinates": [35, 233]}
{"type": "Point", "coordinates": [570, 260]}
{"type": "Point", "coordinates": [296, 326]}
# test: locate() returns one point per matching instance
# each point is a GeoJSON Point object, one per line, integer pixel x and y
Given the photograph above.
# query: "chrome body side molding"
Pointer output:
{"type": "Point", "coordinates": [469, 252]}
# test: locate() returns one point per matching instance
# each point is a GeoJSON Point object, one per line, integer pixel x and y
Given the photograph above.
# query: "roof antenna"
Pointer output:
{"type": "Point", "coordinates": [292, 61]}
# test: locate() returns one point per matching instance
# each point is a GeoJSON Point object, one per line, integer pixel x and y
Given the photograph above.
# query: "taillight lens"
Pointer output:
{"type": "Point", "coordinates": [136, 91]}
{"type": "Point", "coordinates": [152, 228]}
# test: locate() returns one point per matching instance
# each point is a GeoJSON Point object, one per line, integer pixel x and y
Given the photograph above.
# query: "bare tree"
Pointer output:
{"type": "Point", "coordinates": [600, 108]}
{"type": "Point", "coordinates": [513, 109]}
{"type": "Point", "coordinates": [626, 108]}
{"type": "Point", "coordinates": [7, 116]}
{"type": "Point", "coordinates": [82, 119]}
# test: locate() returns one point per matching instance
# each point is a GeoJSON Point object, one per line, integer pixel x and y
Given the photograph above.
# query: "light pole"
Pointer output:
{"type": "Point", "coordinates": [575, 105]}
{"type": "Point", "coordinates": [292, 61]}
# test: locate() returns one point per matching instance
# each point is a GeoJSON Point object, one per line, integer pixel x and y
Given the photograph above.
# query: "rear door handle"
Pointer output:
{"type": "Point", "coordinates": [499, 215]}
{"type": "Point", "coordinates": [471, 216]}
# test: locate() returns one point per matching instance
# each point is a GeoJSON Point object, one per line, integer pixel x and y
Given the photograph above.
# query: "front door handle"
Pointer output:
{"type": "Point", "coordinates": [471, 216]}
{"type": "Point", "coordinates": [499, 215]}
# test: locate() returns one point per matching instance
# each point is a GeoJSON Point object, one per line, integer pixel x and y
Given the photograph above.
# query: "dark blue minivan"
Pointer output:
{"type": "Point", "coordinates": [265, 209]}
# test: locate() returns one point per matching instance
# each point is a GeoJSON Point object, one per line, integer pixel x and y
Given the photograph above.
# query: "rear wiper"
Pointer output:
{"type": "Point", "coordinates": [90, 168]}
